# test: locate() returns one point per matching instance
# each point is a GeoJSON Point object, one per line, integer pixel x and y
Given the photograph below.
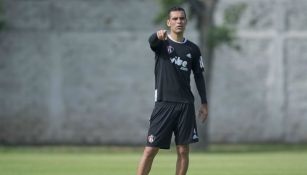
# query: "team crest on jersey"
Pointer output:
{"type": "Point", "coordinates": [170, 49]}
{"type": "Point", "coordinates": [151, 138]}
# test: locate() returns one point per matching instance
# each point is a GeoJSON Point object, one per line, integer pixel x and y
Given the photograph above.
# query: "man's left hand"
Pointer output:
{"type": "Point", "coordinates": [203, 112]}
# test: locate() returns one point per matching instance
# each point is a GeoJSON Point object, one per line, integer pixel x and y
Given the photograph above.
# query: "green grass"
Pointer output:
{"type": "Point", "coordinates": [219, 160]}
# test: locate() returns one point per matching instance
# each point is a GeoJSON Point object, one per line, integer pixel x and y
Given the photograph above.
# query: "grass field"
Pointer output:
{"type": "Point", "coordinates": [219, 160]}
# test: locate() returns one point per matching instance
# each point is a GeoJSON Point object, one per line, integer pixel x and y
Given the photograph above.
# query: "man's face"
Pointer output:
{"type": "Point", "coordinates": [177, 22]}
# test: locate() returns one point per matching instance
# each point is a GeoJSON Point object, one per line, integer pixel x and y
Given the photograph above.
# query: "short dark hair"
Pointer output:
{"type": "Point", "coordinates": [176, 8]}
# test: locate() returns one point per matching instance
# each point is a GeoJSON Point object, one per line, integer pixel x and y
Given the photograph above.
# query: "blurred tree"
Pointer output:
{"type": "Point", "coordinates": [2, 22]}
{"type": "Point", "coordinates": [210, 35]}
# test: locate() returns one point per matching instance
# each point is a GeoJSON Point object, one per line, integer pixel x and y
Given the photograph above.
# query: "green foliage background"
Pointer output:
{"type": "Point", "coordinates": [165, 6]}
{"type": "Point", "coordinates": [217, 34]}
{"type": "Point", "coordinates": [2, 21]}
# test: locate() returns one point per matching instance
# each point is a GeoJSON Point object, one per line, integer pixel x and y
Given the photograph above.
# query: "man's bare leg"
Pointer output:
{"type": "Point", "coordinates": [182, 159]}
{"type": "Point", "coordinates": [146, 160]}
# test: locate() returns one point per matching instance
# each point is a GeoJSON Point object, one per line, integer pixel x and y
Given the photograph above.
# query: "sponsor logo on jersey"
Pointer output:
{"type": "Point", "coordinates": [170, 49]}
{"type": "Point", "coordinates": [179, 62]}
{"type": "Point", "coordinates": [151, 138]}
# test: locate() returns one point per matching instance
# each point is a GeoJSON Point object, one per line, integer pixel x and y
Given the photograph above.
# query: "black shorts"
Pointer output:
{"type": "Point", "coordinates": [171, 117]}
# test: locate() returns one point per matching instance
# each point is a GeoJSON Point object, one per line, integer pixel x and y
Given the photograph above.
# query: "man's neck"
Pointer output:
{"type": "Point", "coordinates": [177, 37]}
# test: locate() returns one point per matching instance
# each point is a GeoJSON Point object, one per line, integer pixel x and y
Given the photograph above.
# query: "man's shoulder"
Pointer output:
{"type": "Point", "coordinates": [192, 45]}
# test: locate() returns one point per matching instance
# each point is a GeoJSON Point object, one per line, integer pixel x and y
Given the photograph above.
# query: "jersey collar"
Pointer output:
{"type": "Point", "coordinates": [184, 40]}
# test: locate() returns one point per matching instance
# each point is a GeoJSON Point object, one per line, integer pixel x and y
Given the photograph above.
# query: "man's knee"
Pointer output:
{"type": "Point", "coordinates": [183, 150]}
{"type": "Point", "coordinates": [150, 152]}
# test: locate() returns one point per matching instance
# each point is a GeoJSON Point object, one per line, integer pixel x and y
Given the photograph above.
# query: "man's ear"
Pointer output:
{"type": "Point", "coordinates": [168, 23]}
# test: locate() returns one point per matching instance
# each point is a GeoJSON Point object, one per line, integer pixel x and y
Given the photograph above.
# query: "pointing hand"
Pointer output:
{"type": "Point", "coordinates": [162, 34]}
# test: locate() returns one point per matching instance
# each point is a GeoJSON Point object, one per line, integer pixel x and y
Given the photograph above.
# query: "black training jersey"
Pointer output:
{"type": "Point", "coordinates": [174, 62]}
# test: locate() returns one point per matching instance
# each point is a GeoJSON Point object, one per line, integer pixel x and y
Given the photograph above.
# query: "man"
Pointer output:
{"type": "Point", "coordinates": [175, 58]}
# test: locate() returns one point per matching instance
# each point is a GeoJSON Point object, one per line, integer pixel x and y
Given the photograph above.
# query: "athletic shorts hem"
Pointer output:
{"type": "Point", "coordinates": [187, 143]}
{"type": "Point", "coordinates": [157, 146]}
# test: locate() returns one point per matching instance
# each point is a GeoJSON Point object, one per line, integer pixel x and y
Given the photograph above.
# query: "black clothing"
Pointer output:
{"type": "Point", "coordinates": [169, 117]}
{"type": "Point", "coordinates": [173, 64]}
{"type": "Point", "coordinates": [174, 108]}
